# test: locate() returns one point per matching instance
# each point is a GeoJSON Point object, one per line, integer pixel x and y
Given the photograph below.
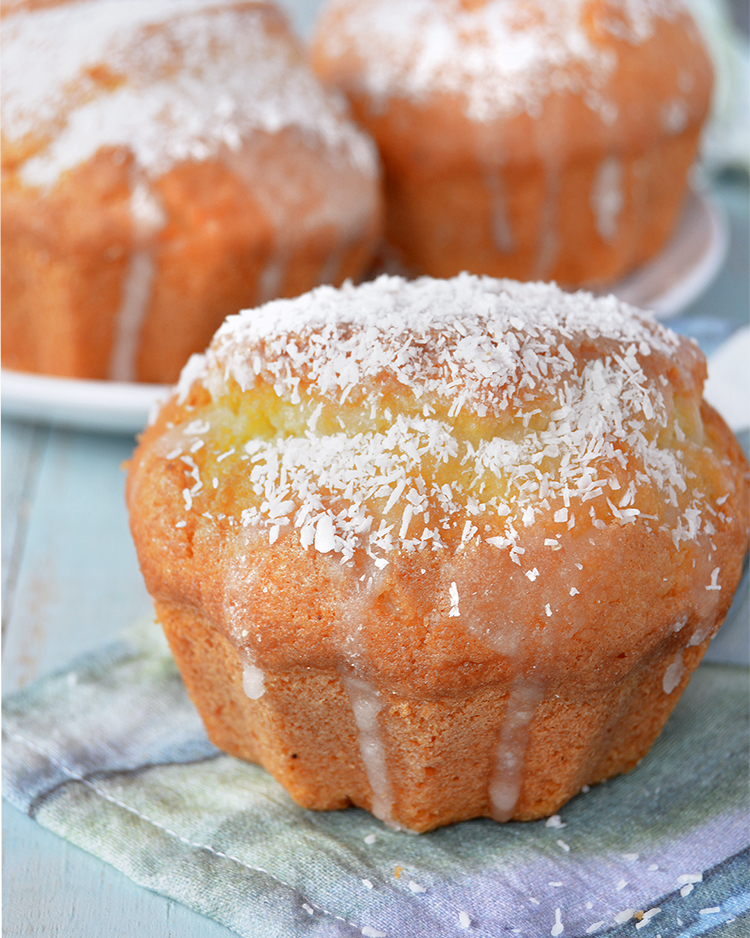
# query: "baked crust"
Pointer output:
{"type": "Point", "coordinates": [571, 168]}
{"type": "Point", "coordinates": [104, 243]}
{"type": "Point", "coordinates": [487, 655]}
{"type": "Point", "coordinates": [441, 751]}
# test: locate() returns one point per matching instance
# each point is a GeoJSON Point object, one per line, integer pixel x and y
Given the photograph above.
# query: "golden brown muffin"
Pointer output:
{"type": "Point", "coordinates": [440, 549]}
{"type": "Point", "coordinates": [535, 139]}
{"type": "Point", "coordinates": [166, 163]}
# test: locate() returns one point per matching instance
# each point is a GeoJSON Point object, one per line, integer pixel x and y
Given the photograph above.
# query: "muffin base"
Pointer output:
{"type": "Point", "coordinates": [86, 294]}
{"type": "Point", "coordinates": [532, 220]}
{"type": "Point", "coordinates": [447, 759]}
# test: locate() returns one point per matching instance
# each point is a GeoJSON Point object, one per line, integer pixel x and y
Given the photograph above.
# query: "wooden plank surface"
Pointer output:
{"type": "Point", "coordinates": [77, 581]}
{"type": "Point", "coordinates": [71, 583]}
{"type": "Point", "coordinates": [51, 888]}
{"type": "Point", "coordinates": [22, 447]}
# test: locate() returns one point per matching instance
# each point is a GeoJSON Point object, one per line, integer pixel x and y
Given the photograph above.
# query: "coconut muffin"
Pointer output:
{"type": "Point", "coordinates": [534, 139]}
{"type": "Point", "coordinates": [165, 163]}
{"type": "Point", "coordinates": [439, 549]}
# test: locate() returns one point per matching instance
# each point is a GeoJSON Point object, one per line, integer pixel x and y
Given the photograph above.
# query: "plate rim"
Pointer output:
{"type": "Point", "coordinates": [676, 297]}
{"type": "Point", "coordinates": [79, 403]}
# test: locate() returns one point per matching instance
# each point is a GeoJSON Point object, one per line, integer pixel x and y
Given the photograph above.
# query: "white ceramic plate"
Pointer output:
{"type": "Point", "coordinates": [666, 285]}
{"type": "Point", "coordinates": [111, 406]}
{"type": "Point", "coordinates": [685, 267]}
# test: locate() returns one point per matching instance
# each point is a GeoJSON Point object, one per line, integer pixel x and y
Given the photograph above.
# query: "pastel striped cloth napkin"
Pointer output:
{"type": "Point", "coordinates": [110, 754]}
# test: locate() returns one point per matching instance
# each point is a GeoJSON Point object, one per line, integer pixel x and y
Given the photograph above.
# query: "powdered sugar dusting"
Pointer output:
{"type": "Point", "coordinates": [172, 81]}
{"type": "Point", "coordinates": [501, 57]}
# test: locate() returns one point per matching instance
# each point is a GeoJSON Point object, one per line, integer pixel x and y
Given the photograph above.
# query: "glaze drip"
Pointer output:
{"type": "Point", "coordinates": [502, 232]}
{"type": "Point", "coordinates": [367, 705]}
{"type": "Point", "coordinates": [253, 681]}
{"type": "Point", "coordinates": [355, 610]}
{"type": "Point", "coordinates": [135, 301]}
{"type": "Point", "coordinates": [674, 674]}
{"type": "Point", "coordinates": [505, 780]}
{"type": "Point", "coordinates": [608, 197]}
{"type": "Point", "coordinates": [148, 218]}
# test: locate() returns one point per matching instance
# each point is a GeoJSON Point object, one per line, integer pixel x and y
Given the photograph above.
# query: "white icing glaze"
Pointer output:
{"type": "Point", "coordinates": [146, 211]}
{"type": "Point", "coordinates": [700, 635]}
{"type": "Point", "coordinates": [136, 296]}
{"type": "Point", "coordinates": [253, 681]}
{"type": "Point", "coordinates": [355, 609]}
{"type": "Point", "coordinates": [680, 624]}
{"type": "Point", "coordinates": [608, 197]}
{"type": "Point", "coordinates": [674, 674]}
{"type": "Point", "coordinates": [502, 232]}
{"type": "Point", "coordinates": [148, 218]}
{"type": "Point", "coordinates": [501, 57]}
{"type": "Point", "coordinates": [302, 201]}
{"type": "Point", "coordinates": [675, 116]}
{"type": "Point", "coordinates": [366, 707]}
{"type": "Point", "coordinates": [184, 79]}
{"type": "Point", "coordinates": [505, 780]}
{"type": "Point", "coordinates": [549, 237]}
{"type": "Point", "coordinates": [269, 284]}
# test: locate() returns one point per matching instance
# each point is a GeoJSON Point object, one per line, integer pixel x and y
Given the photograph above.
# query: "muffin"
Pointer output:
{"type": "Point", "coordinates": [439, 549]}
{"type": "Point", "coordinates": [165, 163]}
{"type": "Point", "coordinates": [534, 139]}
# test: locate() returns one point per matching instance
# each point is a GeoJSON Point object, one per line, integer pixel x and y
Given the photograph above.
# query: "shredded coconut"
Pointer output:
{"type": "Point", "coordinates": [171, 80]}
{"type": "Point", "coordinates": [467, 346]}
{"type": "Point", "coordinates": [501, 58]}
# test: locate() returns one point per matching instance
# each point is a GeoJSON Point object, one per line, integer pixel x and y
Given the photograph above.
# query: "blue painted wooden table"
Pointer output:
{"type": "Point", "coordinates": [70, 583]}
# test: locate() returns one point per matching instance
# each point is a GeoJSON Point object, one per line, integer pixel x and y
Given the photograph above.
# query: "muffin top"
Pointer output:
{"type": "Point", "coordinates": [170, 80]}
{"type": "Point", "coordinates": [434, 479]}
{"type": "Point", "coordinates": [501, 58]}
{"type": "Point", "coordinates": [402, 415]}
